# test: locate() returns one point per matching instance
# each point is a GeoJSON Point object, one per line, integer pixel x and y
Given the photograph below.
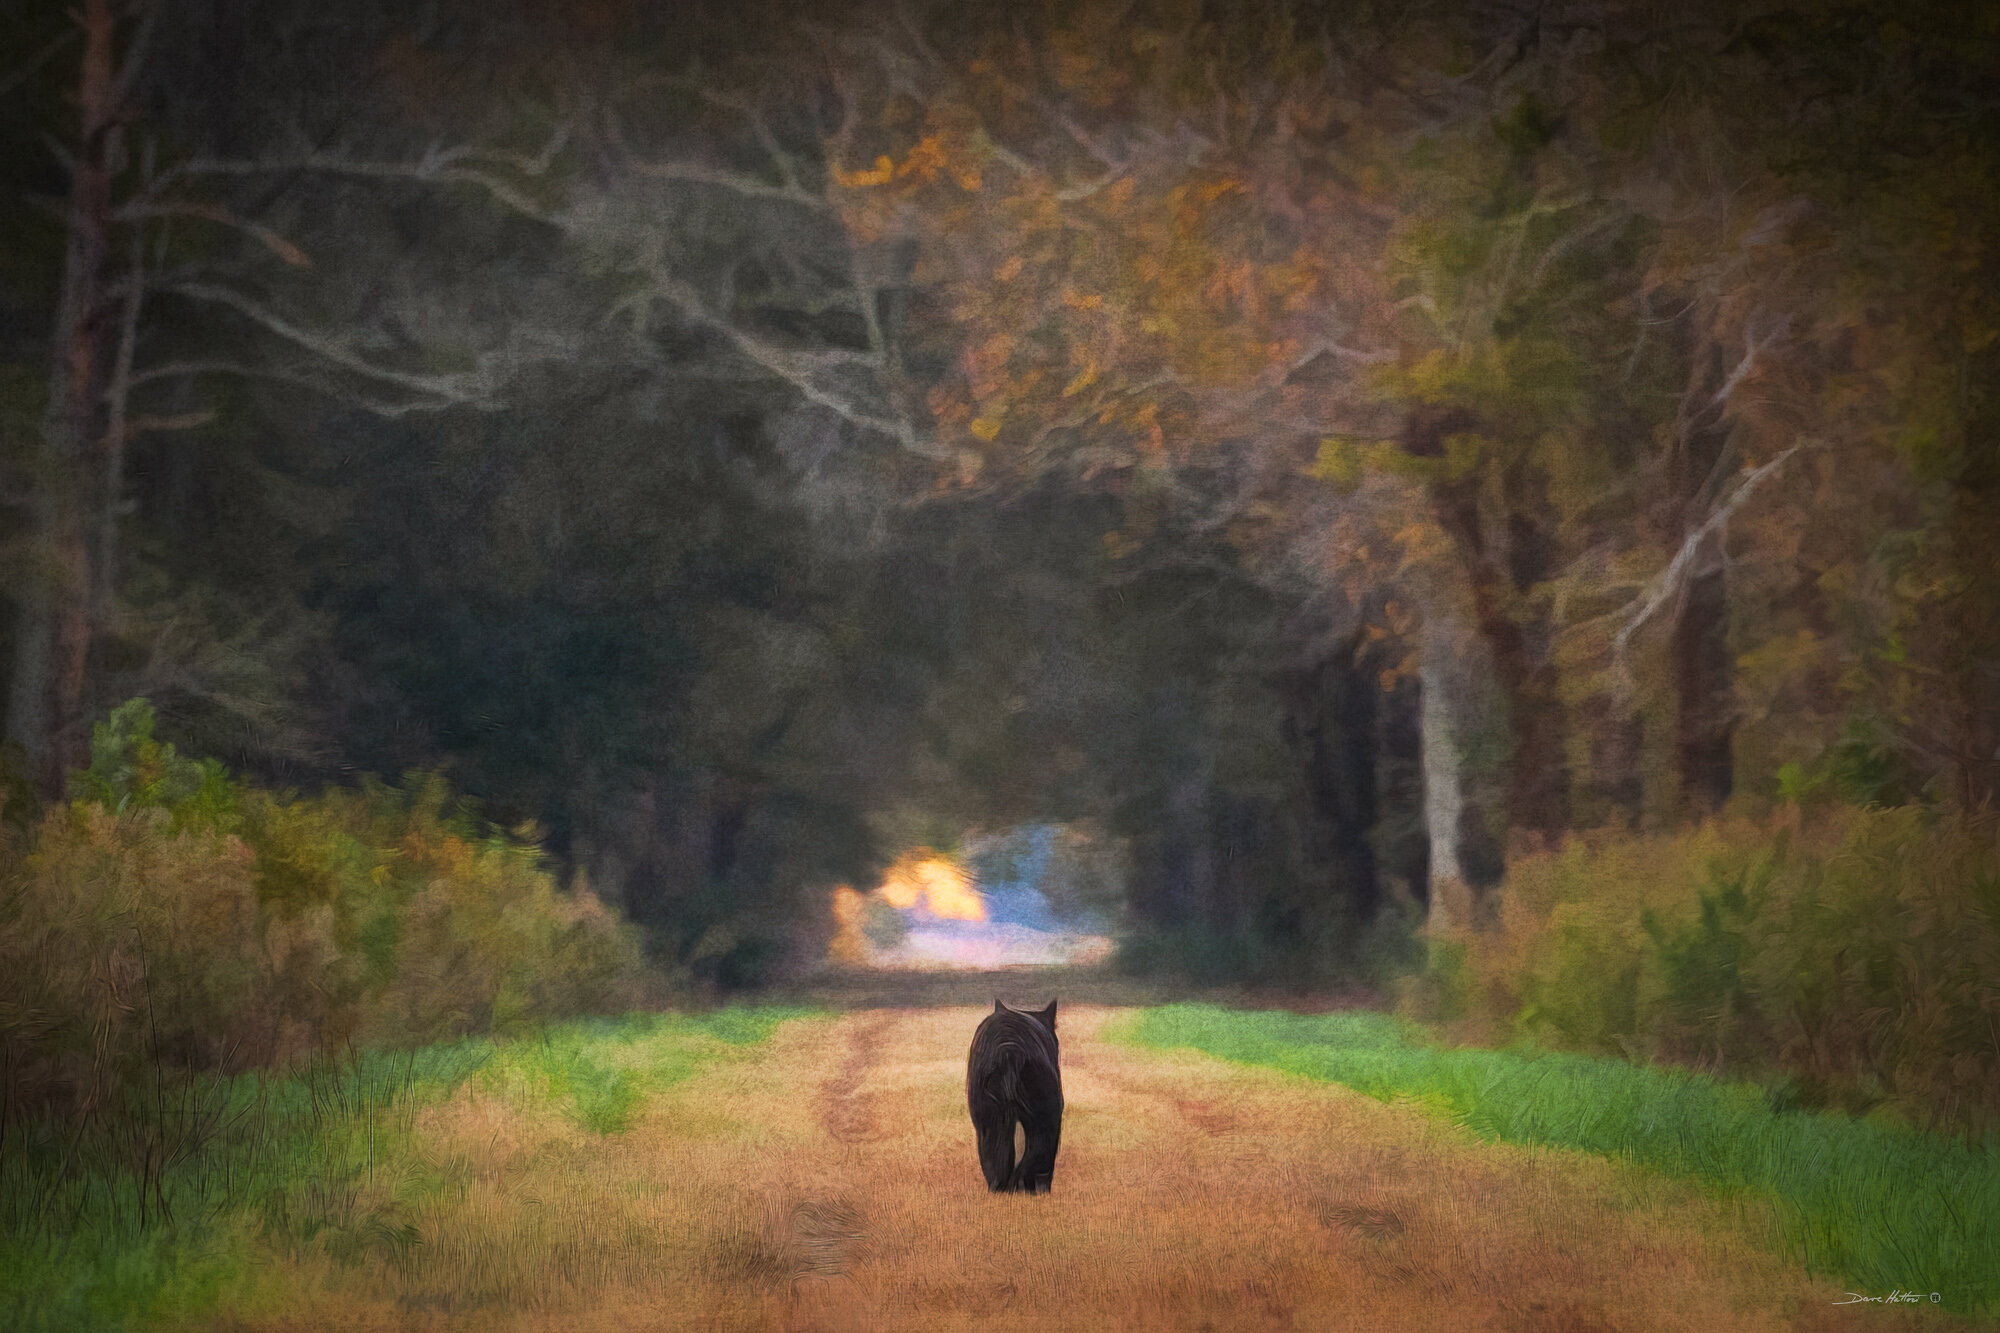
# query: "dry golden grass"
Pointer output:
{"type": "Point", "coordinates": [828, 1182]}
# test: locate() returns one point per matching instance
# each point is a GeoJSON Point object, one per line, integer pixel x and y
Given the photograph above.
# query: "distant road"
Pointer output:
{"type": "Point", "coordinates": [1019, 986]}
{"type": "Point", "coordinates": [861, 989]}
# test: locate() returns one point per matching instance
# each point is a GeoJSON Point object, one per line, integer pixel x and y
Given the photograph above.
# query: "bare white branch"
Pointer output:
{"type": "Point", "coordinates": [145, 425]}
{"type": "Point", "coordinates": [136, 52]}
{"type": "Point", "coordinates": [1752, 348]}
{"type": "Point", "coordinates": [1675, 575]}
{"type": "Point", "coordinates": [1077, 193]}
{"type": "Point", "coordinates": [788, 190]}
{"type": "Point", "coordinates": [382, 407]}
{"type": "Point", "coordinates": [528, 164]}
{"type": "Point", "coordinates": [453, 388]}
{"type": "Point", "coordinates": [797, 368]}
{"type": "Point", "coordinates": [1369, 357]}
{"type": "Point", "coordinates": [434, 166]}
{"type": "Point", "coordinates": [1110, 160]}
{"type": "Point", "coordinates": [140, 209]}
{"type": "Point", "coordinates": [750, 186]}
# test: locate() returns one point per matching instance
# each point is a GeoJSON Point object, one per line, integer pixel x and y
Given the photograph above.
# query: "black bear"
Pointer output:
{"type": "Point", "coordinates": [1012, 1077]}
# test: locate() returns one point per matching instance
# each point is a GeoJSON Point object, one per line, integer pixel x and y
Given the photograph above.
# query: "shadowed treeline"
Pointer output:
{"type": "Point", "coordinates": [1329, 453]}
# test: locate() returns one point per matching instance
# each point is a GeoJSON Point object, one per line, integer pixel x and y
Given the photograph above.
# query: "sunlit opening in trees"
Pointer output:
{"type": "Point", "coordinates": [933, 911]}
{"type": "Point", "coordinates": [945, 888]}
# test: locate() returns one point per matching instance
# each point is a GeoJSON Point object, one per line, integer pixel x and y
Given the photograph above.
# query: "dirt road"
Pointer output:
{"type": "Point", "coordinates": [828, 1182]}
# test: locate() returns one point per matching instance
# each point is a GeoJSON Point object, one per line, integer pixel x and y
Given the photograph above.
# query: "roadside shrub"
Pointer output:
{"type": "Point", "coordinates": [1847, 959]}
{"type": "Point", "coordinates": [123, 942]}
{"type": "Point", "coordinates": [168, 921]}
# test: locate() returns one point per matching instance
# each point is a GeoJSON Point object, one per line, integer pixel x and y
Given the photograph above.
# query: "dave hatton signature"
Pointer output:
{"type": "Point", "coordinates": [1896, 1297]}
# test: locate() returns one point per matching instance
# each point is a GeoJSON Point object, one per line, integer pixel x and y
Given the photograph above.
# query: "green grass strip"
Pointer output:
{"type": "Point", "coordinates": [1879, 1207]}
{"type": "Point", "coordinates": [600, 1071]}
{"type": "Point", "coordinates": [73, 1256]}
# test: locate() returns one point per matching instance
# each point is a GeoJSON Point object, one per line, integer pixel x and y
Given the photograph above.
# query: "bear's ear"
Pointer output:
{"type": "Point", "coordinates": [998, 1007]}
{"type": "Point", "coordinates": [1049, 1016]}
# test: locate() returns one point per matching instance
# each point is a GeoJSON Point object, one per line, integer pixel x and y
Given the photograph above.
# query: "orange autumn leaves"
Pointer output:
{"type": "Point", "coordinates": [1088, 305]}
{"type": "Point", "coordinates": [1121, 269]}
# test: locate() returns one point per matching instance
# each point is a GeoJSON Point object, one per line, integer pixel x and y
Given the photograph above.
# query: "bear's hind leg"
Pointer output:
{"type": "Point", "coordinates": [1038, 1164]}
{"type": "Point", "coordinates": [996, 1150]}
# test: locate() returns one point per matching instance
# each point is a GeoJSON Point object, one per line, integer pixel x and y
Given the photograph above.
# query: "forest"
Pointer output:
{"type": "Point", "coordinates": [1490, 507]}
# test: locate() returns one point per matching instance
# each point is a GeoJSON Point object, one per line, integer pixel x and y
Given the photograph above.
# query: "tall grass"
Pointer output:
{"type": "Point", "coordinates": [324, 1162]}
{"type": "Point", "coordinates": [93, 1236]}
{"type": "Point", "coordinates": [1875, 1205]}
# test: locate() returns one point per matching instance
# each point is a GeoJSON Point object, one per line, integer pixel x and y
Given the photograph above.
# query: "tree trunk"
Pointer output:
{"type": "Point", "coordinates": [1464, 858]}
{"type": "Point", "coordinates": [1705, 720]}
{"type": "Point", "coordinates": [1239, 844]}
{"type": "Point", "coordinates": [1444, 791]}
{"type": "Point", "coordinates": [1537, 748]}
{"type": "Point", "coordinates": [1499, 567]}
{"type": "Point", "coordinates": [1333, 725]}
{"type": "Point", "coordinates": [1401, 847]}
{"type": "Point", "coordinates": [1617, 741]}
{"type": "Point", "coordinates": [1189, 875]}
{"type": "Point", "coordinates": [45, 708]}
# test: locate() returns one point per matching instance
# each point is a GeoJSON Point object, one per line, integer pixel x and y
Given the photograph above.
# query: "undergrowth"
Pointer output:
{"type": "Point", "coordinates": [1845, 958]}
{"type": "Point", "coordinates": [323, 1161]}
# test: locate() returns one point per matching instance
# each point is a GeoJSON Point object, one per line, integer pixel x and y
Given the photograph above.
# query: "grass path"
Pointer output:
{"type": "Point", "coordinates": [827, 1181]}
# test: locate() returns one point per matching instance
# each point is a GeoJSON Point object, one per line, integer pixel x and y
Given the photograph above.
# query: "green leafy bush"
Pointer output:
{"type": "Point", "coordinates": [167, 922]}
{"type": "Point", "coordinates": [1850, 958]}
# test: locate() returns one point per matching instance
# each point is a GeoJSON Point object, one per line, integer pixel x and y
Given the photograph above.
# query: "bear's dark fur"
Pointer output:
{"type": "Point", "coordinates": [1012, 1076]}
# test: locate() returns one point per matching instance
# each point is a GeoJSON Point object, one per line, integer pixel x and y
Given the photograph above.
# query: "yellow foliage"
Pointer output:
{"type": "Point", "coordinates": [848, 945]}
{"type": "Point", "coordinates": [945, 887]}
{"type": "Point", "coordinates": [847, 905]}
{"type": "Point", "coordinates": [883, 172]}
{"type": "Point", "coordinates": [1422, 540]}
{"type": "Point", "coordinates": [925, 160]}
{"type": "Point", "coordinates": [1433, 378]}
{"type": "Point", "coordinates": [362, 917]}
{"type": "Point", "coordinates": [1338, 464]}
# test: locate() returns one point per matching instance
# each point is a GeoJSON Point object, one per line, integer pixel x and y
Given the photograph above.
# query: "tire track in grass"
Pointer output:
{"type": "Point", "coordinates": [811, 1244]}
{"type": "Point", "coordinates": [845, 1111]}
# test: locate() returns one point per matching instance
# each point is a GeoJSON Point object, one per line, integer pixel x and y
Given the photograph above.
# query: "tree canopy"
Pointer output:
{"type": "Point", "coordinates": [1329, 448]}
